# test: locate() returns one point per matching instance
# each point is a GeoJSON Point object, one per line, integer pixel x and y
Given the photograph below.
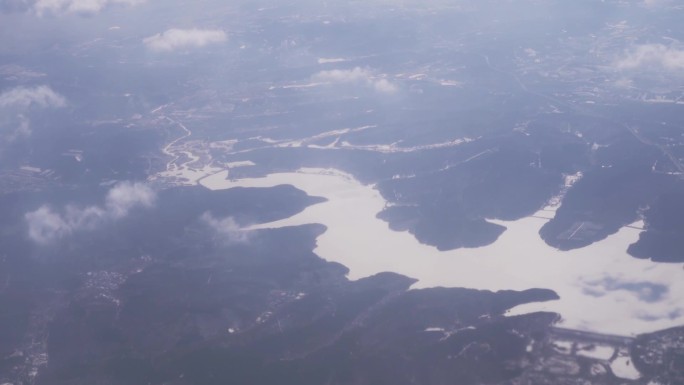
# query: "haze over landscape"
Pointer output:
{"type": "Point", "coordinates": [378, 192]}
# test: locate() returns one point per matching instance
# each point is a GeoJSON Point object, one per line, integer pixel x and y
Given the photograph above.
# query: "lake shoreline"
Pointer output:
{"type": "Point", "coordinates": [602, 288]}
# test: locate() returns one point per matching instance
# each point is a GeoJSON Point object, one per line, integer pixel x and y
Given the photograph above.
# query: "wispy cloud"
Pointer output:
{"type": "Point", "coordinates": [359, 76]}
{"type": "Point", "coordinates": [9, 6]}
{"type": "Point", "coordinates": [46, 225]}
{"type": "Point", "coordinates": [656, 3]}
{"type": "Point", "coordinates": [16, 105]}
{"type": "Point", "coordinates": [654, 56]}
{"type": "Point", "coordinates": [644, 291]}
{"type": "Point", "coordinates": [226, 228]}
{"type": "Point", "coordinates": [24, 97]}
{"type": "Point", "coordinates": [125, 196]}
{"type": "Point", "coordinates": [175, 39]}
{"type": "Point", "coordinates": [78, 6]}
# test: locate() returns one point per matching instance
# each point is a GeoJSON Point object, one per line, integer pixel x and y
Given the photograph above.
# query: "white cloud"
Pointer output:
{"type": "Point", "coordinates": [174, 39]}
{"type": "Point", "coordinates": [655, 3]}
{"type": "Point", "coordinates": [78, 6]}
{"type": "Point", "coordinates": [14, 5]}
{"type": "Point", "coordinates": [41, 96]}
{"type": "Point", "coordinates": [657, 56]}
{"type": "Point", "coordinates": [15, 106]}
{"type": "Point", "coordinates": [384, 86]}
{"type": "Point", "coordinates": [13, 128]}
{"type": "Point", "coordinates": [125, 196]}
{"type": "Point", "coordinates": [46, 225]}
{"type": "Point", "coordinates": [229, 231]}
{"type": "Point", "coordinates": [357, 75]}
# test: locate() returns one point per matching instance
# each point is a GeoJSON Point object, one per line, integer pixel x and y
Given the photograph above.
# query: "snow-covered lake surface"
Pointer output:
{"type": "Point", "coordinates": [602, 288]}
{"type": "Point", "coordinates": [598, 352]}
{"type": "Point", "coordinates": [622, 368]}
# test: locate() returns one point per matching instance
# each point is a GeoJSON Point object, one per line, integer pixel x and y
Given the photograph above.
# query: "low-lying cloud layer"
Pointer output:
{"type": "Point", "coordinates": [24, 97]}
{"type": "Point", "coordinates": [175, 39]}
{"type": "Point", "coordinates": [656, 3]}
{"type": "Point", "coordinates": [16, 105]}
{"type": "Point", "coordinates": [227, 229]}
{"type": "Point", "coordinates": [46, 225]}
{"type": "Point", "coordinates": [359, 76]}
{"type": "Point", "coordinates": [655, 56]}
{"type": "Point", "coordinates": [78, 6]}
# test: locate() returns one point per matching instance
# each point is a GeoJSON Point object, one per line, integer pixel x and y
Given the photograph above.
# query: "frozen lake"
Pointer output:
{"type": "Point", "coordinates": [602, 288]}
